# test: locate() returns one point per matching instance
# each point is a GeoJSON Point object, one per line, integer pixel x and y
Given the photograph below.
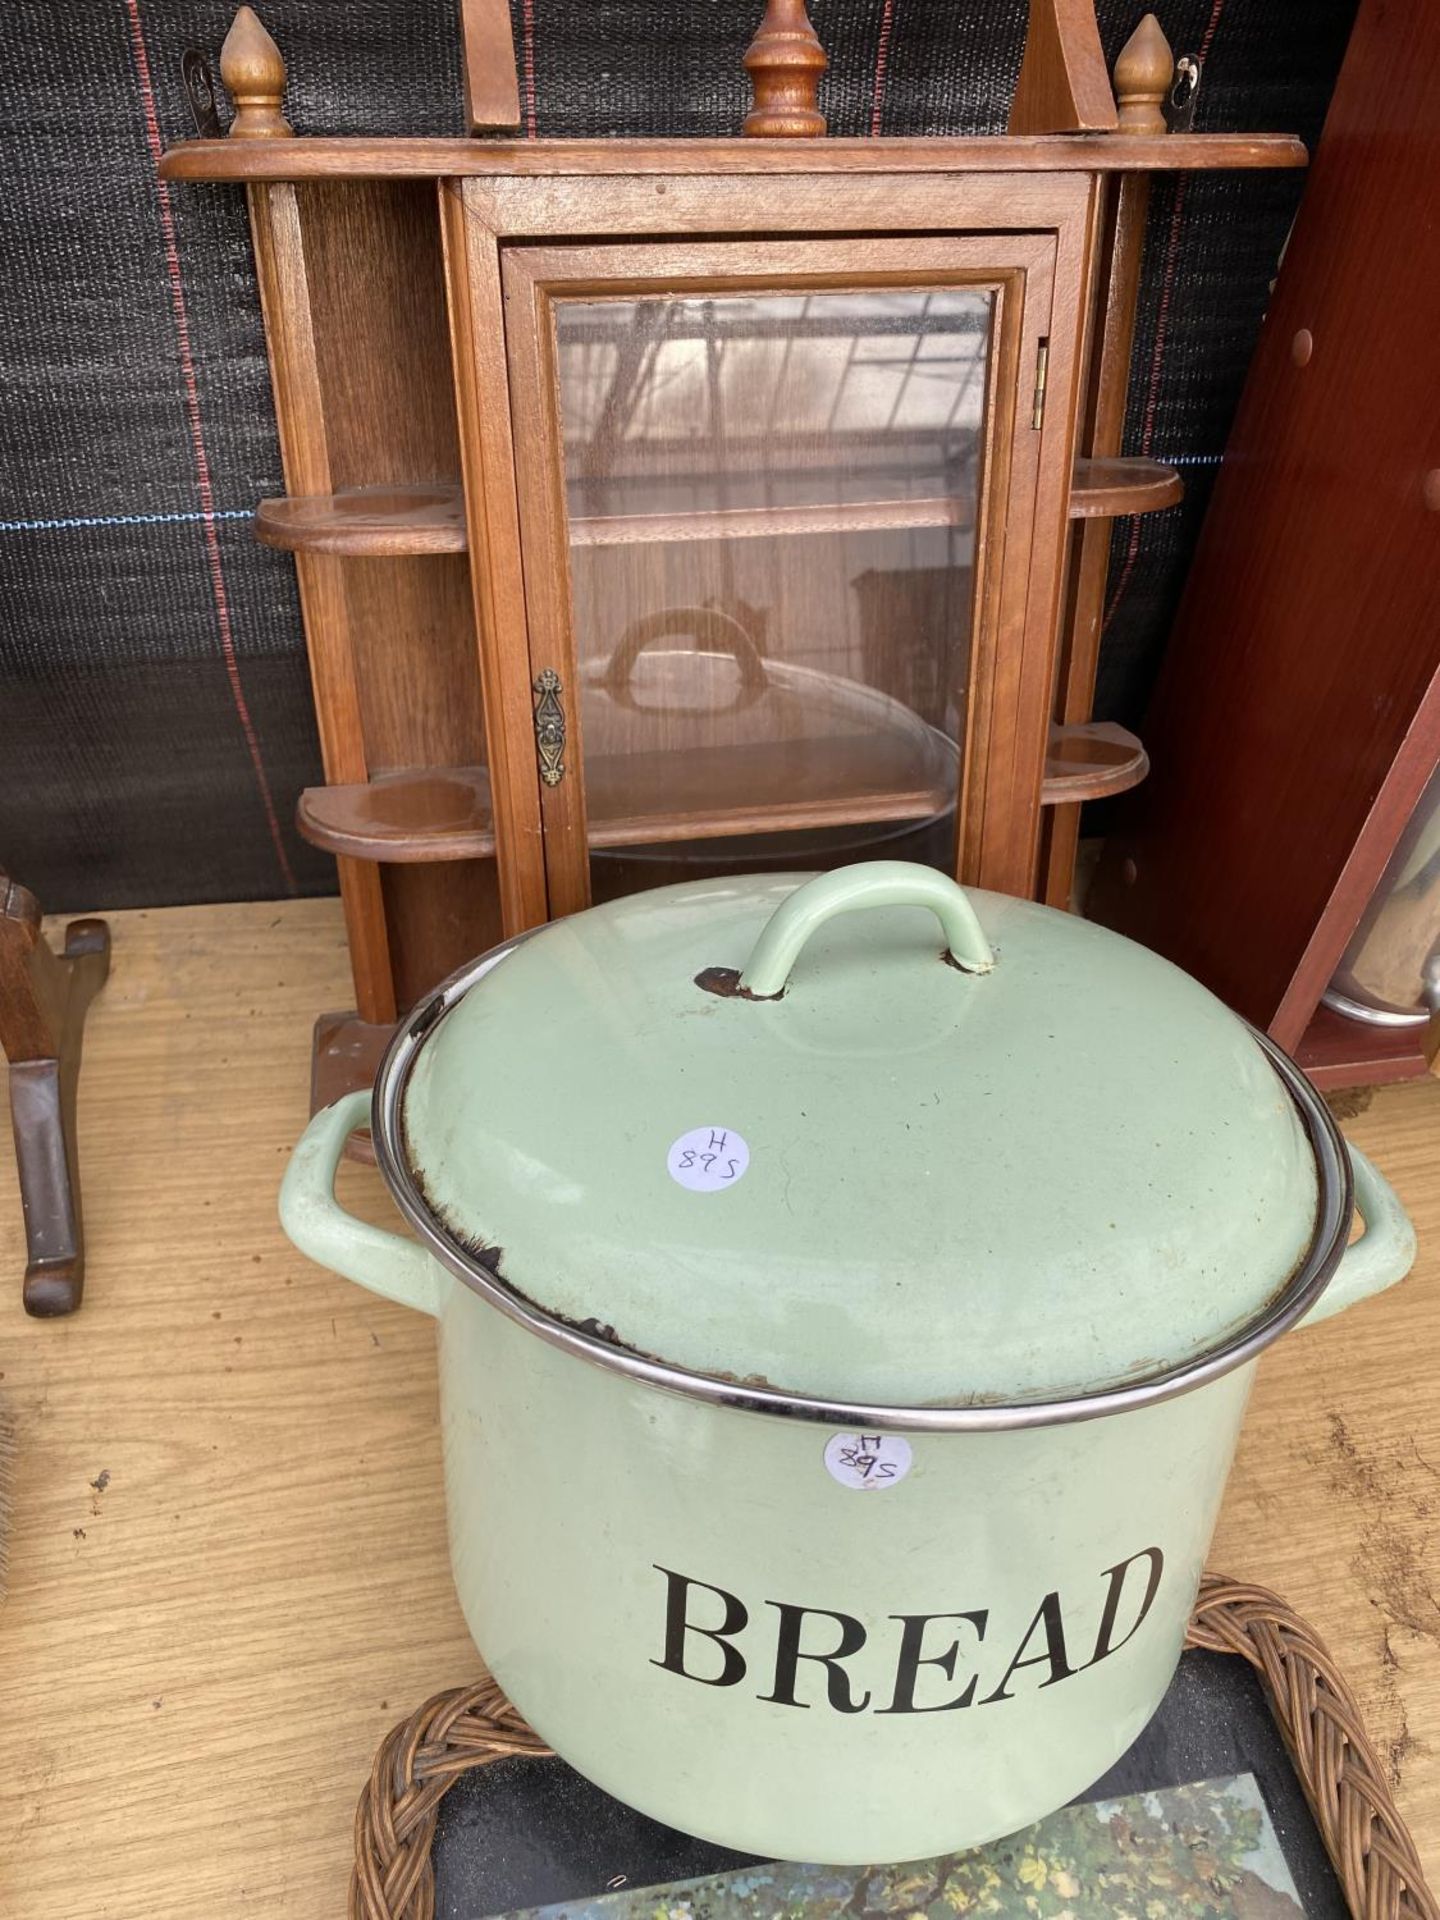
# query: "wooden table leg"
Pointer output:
{"type": "Point", "coordinates": [44, 998]}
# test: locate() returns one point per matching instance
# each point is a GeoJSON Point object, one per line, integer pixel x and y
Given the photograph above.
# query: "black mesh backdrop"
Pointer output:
{"type": "Point", "coordinates": [155, 722]}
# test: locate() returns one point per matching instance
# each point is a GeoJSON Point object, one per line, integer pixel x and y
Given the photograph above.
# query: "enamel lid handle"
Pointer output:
{"type": "Point", "coordinates": [874, 883]}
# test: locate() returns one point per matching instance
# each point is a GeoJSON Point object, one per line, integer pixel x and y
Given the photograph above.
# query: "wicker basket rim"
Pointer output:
{"type": "Point", "coordinates": [1341, 1773]}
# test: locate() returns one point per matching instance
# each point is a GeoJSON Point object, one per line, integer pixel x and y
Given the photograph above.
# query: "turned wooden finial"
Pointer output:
{"type": "Point", "coordinates": [785, 61]}
{"type": "Point", "coordinates": [1143, 75]}
{"type": "Point", "coordinates": [253, 69]}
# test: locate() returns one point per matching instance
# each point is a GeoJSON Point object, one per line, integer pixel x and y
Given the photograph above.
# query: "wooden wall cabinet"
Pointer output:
{"type": "Point", "coordinates": [669, 508]}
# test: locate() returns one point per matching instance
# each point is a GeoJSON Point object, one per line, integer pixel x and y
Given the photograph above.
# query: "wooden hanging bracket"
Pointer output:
{"type": "Point", "coordinates": [492, 86]}
{"type": "Point", "coordinates": [1063, 86]}
{"type": "Point", "coordinates": [44, 997]}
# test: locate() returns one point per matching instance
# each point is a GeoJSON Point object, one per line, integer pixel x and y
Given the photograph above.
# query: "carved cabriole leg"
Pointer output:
{"type": "Point", "coordinates": [345, 1055]}
{"type": "Point", "coordinates": [43, 1002]}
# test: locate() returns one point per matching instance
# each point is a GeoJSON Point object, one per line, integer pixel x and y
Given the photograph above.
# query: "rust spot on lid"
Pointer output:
{"type": "Point", "coordinates": [725, 983]}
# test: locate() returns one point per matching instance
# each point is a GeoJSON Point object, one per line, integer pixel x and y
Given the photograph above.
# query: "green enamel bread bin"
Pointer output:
{"type": "Point", "coordinates": [847, 1291]}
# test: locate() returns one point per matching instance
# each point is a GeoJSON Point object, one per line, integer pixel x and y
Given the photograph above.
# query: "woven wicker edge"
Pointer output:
{"type": "Point", "coordinates": [1339, 1769]}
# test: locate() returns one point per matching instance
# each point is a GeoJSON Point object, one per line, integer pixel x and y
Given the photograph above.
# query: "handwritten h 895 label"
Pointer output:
{"type": "Point", "coordinates": [867, 1461]}
{"type": "Point", "coordinates": [708, 1159]}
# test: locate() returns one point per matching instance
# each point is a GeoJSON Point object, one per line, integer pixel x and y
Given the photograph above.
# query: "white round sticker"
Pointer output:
{"type": "Point", "coordinates": [867, 1460]}
{"type": "Point", "coordinates": [708, 1159]}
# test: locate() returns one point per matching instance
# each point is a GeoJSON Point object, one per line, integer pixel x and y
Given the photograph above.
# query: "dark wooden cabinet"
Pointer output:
{"type": "Point", "coordinates": [1297, 718]}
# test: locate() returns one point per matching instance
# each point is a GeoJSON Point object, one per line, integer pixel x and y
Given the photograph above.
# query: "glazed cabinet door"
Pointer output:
{"type": "Point", "coordinates": [777, 508]}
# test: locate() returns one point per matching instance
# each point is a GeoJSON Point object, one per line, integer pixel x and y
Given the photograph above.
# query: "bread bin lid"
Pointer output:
{"type": "Point", "coordinates": [952, 1150]}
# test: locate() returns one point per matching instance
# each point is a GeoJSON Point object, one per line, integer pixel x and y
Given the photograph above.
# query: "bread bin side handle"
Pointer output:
{"type": "Point", "coordinates": [386, 1263]}
{"type": "Point", "coordinates": [1385, 1251]}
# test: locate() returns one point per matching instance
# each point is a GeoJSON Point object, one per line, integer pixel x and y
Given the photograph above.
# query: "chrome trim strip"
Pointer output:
{"type": "Point", "coordinates": [1332, 1226]}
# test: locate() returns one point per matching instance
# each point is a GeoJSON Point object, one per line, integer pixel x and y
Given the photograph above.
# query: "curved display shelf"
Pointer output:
{"type": "Point", "coordinates": [444, 813]}
{"type": "Point", "coordinates": [366, 520]}
{"type": "Point", "coordinates": [767, 523]}
{"type": "Point", "coordinates": [1091, 761]}
{"type": "Point", "coordinates": [425, 813]}
{"type": "Point", "coordinates": [431, 518]}
{"type": "Point", "coordinates": [1106, 489]}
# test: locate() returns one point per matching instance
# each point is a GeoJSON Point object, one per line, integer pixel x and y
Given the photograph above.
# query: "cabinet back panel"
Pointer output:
{"type": "Point", "coordinates": [412, 630]}
{"type": "Point", "coordinates": [372, 256]}
{"type": "Point", "coordinates": [440, 915]}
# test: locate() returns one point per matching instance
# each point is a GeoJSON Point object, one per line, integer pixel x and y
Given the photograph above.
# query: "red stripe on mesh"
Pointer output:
{"type": "Point", "coordinates": [882, 55]}
{"type": "Point", "coordinates": [197, 442]}
{"type": "Point", "coordinates": [527, 37]}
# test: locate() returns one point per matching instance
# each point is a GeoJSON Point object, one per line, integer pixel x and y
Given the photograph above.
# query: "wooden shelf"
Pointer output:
{"type": "Point", "coordinates": [431, 519]}
{"type": "Point", "coordinates": [429, 813]}
{"type": "Point", "coordinates": [366, 520]}
{"type": "Point", "coordinates": [649, 799]}
{"type": "Point", "coordinates": [387, 520]}
{"type": "Point", "coordinates": [761, 523]}
{"type": "Point", "coordinates": [1106, 489]}
{"type": "Point", "coordinates": [1338, 1052]}
{"type": "Point", "coordinates": [444, 813]}
{"type": "Point", "coordinates": [432, 159]}
{"type": "Point", "coordinates": [1090, 761]}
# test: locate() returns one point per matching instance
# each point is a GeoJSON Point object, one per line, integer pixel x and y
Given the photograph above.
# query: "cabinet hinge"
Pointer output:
{"type": "Point", "coordinates": [1042, 367]}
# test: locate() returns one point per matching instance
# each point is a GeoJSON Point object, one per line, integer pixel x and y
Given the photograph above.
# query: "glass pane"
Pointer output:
{"type": "Point", "coordinates": [772, 505]}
